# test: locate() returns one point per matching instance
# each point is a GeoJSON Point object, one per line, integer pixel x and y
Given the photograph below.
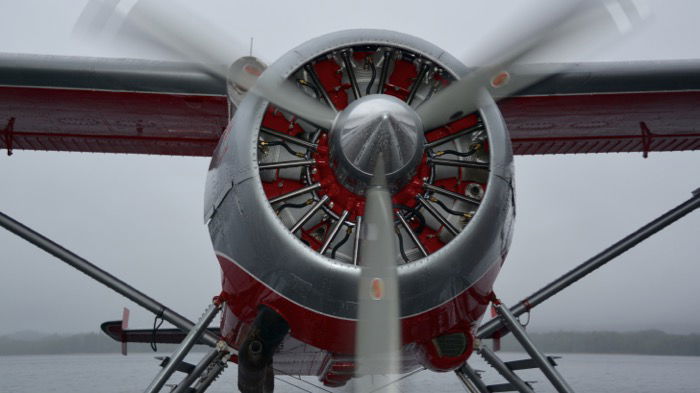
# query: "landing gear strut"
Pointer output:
{"type": "Point", "coordinates": [255, 373]}
{"type": "Point", "coordinates": [198, 377]}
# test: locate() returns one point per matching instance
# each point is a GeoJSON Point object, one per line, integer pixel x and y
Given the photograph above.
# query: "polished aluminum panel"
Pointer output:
{"type": "Point", "coordinates": [245, 227]}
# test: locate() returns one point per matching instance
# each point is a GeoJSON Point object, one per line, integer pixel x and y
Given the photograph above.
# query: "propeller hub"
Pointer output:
{"type": "Point", "coordinates": [376, 126]}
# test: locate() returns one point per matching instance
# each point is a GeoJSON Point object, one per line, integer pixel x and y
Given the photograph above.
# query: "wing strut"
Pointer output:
{"type": "Point", "coordinates": [198, 377]}
{"type": "Point", "coordinates": [103, 277]}
{"type": "Point", "coordinates": [179, 355]}
{"type": "Point", "coordinates": [493, 327]}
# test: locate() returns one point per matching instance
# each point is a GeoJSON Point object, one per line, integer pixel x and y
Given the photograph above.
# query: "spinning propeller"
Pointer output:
{"type": "Point", "coordinates": [555, 25]}
{"type": "Point", "coordinates": [561, 27]}
{"type": "Point", "coordinates": [580, 25]}
{"type": "Point", "coordinates": [167, 27]}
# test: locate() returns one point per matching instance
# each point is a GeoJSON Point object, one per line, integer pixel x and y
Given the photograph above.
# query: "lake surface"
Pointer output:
{"type": "Point", "coordinates": [113, 373]}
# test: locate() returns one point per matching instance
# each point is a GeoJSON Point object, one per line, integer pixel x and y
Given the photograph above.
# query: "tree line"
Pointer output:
{"type": "Point", "coordinates": [649, 342]}
{"type": "Point", "coordinates": [73, 343]}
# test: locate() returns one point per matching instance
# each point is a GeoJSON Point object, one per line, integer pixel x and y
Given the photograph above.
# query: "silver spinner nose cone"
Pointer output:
{"type": "Point", "coordinates": [372, 125]}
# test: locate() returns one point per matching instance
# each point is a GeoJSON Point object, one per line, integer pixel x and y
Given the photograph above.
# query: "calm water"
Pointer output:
{"type": "Point", "coordinates": [115, 373]}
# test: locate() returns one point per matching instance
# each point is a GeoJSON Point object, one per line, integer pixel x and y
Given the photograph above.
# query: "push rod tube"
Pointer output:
{"type": "Point", "coordinates": [289, 138]}
{"type": "Point", "coordinates": [103, 277]}
{"type": "Point", "coordinates": [356, 242]}
{"type": "Point", "coordinates": [494, 325]}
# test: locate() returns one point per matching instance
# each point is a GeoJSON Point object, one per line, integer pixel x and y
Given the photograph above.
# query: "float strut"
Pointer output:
{"type": "Point", "coordinates": [471, 380]}
{"type": "Point", "coordinates": [494, 361]}
{"type": "Point", "coordinates": [179, 355]}
{"type": "Point", "coordinates": [103, 277]}
{"type": "Point", "coordinates": [488, 329]}
{"type": "Point", "coordinates": [214, 357]}
{"type": "Point", "coordinates": [542, 362]}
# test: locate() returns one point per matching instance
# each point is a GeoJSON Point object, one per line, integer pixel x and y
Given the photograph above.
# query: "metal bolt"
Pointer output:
{"type": "Point", "coordinates": [475, 190]}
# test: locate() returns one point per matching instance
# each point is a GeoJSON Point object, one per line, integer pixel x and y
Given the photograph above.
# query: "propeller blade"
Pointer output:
{"type": "Point", "coordinates": [285, 95]}
{"type": "Point", "coordinates": [159, 27]}
{"type": "Point", "coordinates": [581, 27]}
{"type": "Point", "coordinates": [378, 336]}
{"type": "Point", "coordinates": [167, 28]}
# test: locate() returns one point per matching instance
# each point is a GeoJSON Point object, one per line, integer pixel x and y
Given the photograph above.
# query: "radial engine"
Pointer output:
{"type": "Point", "coordinates": [284, 197]}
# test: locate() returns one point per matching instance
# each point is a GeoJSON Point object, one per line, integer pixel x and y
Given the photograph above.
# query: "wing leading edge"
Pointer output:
{"type": "Point", "coordinates": [154, 107]}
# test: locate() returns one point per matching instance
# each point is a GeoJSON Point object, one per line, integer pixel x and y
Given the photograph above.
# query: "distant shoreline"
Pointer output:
{"type": "Point", "coordinates": [63, 344]}
{"type": "Point", "coordinates": [649, 342]}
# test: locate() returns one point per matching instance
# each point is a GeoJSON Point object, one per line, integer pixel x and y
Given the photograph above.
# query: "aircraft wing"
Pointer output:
{"type": "Point", "coordinates": [109, 106]}
{"type": "Point", "coordinates": [607, 107]}
{"type": "Point", "coordinates": [155, 107]}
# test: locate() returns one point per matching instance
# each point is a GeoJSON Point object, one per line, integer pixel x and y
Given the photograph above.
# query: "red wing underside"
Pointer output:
{"type": "Point", "coordinates": [604, 123]}
{"type": "Point", "coordinates": [152, 107]}
{"type": "Point", "coordinates": [103, 121]}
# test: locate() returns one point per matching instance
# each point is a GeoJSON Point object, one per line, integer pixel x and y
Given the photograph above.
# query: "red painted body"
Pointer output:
{"type": "Point", "coordinates": [337, 336]}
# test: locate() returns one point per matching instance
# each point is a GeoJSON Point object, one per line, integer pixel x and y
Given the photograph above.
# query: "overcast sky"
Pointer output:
{"type": "Point", "coordinates": [140, 217]}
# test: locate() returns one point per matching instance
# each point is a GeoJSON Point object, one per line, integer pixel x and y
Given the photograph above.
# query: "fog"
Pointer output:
{"type": "Point", "coordinates": [140, 217]}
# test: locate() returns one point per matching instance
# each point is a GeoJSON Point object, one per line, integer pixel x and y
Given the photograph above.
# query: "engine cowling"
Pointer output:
{"type": "Point", "coordinates": [284, 198]}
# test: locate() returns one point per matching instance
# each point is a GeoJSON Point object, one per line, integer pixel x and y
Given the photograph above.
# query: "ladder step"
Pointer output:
{"type": "Point", "coordinates": [182, 367]}
{"type": "Point", "coordinates": [526, 364]}
{"type": "Point", "coordinates": [501, 387]}
{"type": "Point", "coordinates": [506, 387]}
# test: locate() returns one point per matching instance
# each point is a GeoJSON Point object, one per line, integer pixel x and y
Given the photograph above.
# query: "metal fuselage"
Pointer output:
{"type": "Point", "coordinates": [443, 295]}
